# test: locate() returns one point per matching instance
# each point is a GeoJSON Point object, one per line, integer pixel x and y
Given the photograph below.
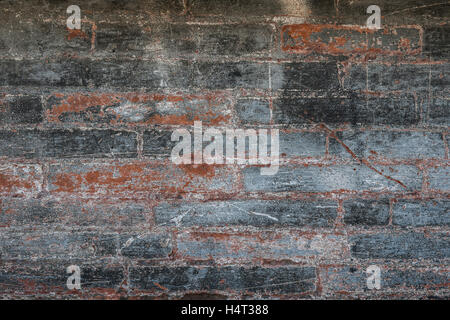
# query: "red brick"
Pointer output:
{"type": "Point", "coordinates": [344, 40]}
{"type": "Point", "coordinates": [138, 109]}
{"type": "Point", "coordinates": [139, 179]}
{"type": "Point", "coordinates": [20, 180]}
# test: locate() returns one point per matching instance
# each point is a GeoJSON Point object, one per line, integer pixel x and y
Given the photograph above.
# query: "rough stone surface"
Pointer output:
{"type": "Point", "coordinates": [87, 177]}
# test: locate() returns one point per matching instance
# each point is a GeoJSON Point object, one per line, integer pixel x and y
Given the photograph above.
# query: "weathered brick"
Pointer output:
{"type": "Point", "coordinates": [139, 179]}
{"type": "Point", "coordinates": [440, 79]}
{"type": "Point", "coordinates": [59, 73]}
{"type": "Point", "coordinates": [83, 245]}
{"type": "Point", "coordinates": [417, 213]}
{"type": "Point", "coordinates": [134, 74]}
{"type": "Point", "coordinates": [141, 227]}
{"type": "Point", "coordinates": [212, 75]}
{"type": "Point", "coordinates": [399, 110]}
{"type": "Point", "coordinates": [178, 40]}
{"type": "Point", "coordinates": [345, 40]}
{"type": "Point", "coordinates": [48, 214]}
{"type": "Point", "coordinates": [21, 110]}
{"type": "Point", "coordinates": [137, 109]}
{"type": "Point", "coordinates": [437, 42]}
{"type": "Point", "coordinates": [439, 178]}
{"type": "Point", "coordinates": [148, 246]}
{"type": "Point", "coordinates": [411, 245]}
{"type": "Point", "coordinates": [138, 73]}
{"type": "Point", "coordinates": [201, 8]}
{"type": "Point", "coordinates": [439, 112]}
{"type": "Point", "coordinates": [302, 144]}
{"type": "Point", "coordinates": [158, 143]}
{"type": "Point", "coordinates": [354, 76]}
{"type": "Point", "coordinates": [57, 245]}
{"type": "Point", "coordinates": [253, 111]}
{"type": "Point", "coordinates": [355, 110]}
{"type": "Point", "coordinates": [34, 38]}
{"type": "Point", "coordinates": [208, 75]}
{"type": "Point", "coordinates": [257, 8]}
{"type": "Point", "coordinates": [230, 278]}
{"type": "Point", "coordinates": [398, 40]}
{"type": "Point", "coordinates": [48, 279]}
{"type": "Point", "coordinates": [247, 247]}
{"type": "Point", "coordinates": [350, 279]}
{"type": "Point", "coordinates": [326, 39]}
{"type": "Point", "coordinates": [257, 213]}
{"type": "Point", "coordinates": [66, 144]}
{"type": "Point", "coordinates": [305, 76]}
{"type": "Point", "coordinates": [366, 212]}
{"type": "Point", "coordinates": [291, 144]}
{"type": "Point", "coordinates": [160, 10]}
{"type": "Point", "coordinates": [333, 178]}
{"type": "Point", "coordinates": [409, 77]}
{"type": "Point", "coordinates": [389, 144]}
{"type": "Point", "coordinates": [20, 180]}
{"type": "Point", "coordinates": [393, 12]}
{"type": "Point", "coordinates": [122, 40]}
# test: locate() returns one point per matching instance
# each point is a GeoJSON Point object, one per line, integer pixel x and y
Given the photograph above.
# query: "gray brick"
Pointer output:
{"type": "Point", "coordinates": [223, 247]}
{"type": "Point", "coordinates": [392, 11]}
{"type": "Point", "coordinates": [149, 246]}
{"type": "Point", "coordinates": [258, 213]}
{"type": "Point", "coordinates": [302, 144]}
{"type": "Point", "coordinates": [354, 279]}
{"type": "Point", "coordinates": [253, 111]}
{"type": "Point", "coordinates": [212, 75]}
{"type": "Point", "coordinates": [400, 246]}
{"type": "Point", "coordinates": [134, 74]}
{"type": "Point", "coordinates": [49, 278]}
{"type": "Point", "coordinates": [440, 80]}
{"type": "Point", "coordinates": [439, 178]}
{"type": "Point", "coordinates": [366, 212]}
{"type": "Point", "coordinates": [399, 77]}
{"type": "Point", "coordinates": [334, 178]}
{"type": "Point", "coordinates": [33, 38]}
{"type": "Point", "coordinates": [178, 40]}
{"type": "Point", "coordinates": [158, 143]}
{"type": "Point", "coordinates": [48, 214]}
{"type": "Point", "coordinates": [355, 110]}
{"type": "Point", "coordinates": [57, 245]}
{"type": "Point", "coordinates": [417, 213]}
{"type": "Point", "coordinates": [65, 144]}
{"type": "Point", "coordinates": [389, 144]}
{"type": "Point", "coordinates": [21, 110]}
{"type": "Point", "coordinates": [439, 112]}
{"type": "Point", "coordinates": [436, 41]}
{"type": "Point", "coordinates": [83, 245]}
{"type": "Point", "coordinates": [236, 278]}
{"type": "Point", "coordinates": [355, 78]}
{"type": "Point", "coordinates": [58, 73]}
{"type": "Point", "coordinates": [305, 76]}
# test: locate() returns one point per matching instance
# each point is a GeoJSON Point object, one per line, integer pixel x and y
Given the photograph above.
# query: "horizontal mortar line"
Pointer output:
{"type": "Point", "coordinates": [232, 230]}
{"type": "Point", "coordinates": [309, 197]}
{"type": "Point", "coordinates": [213, 196]}
{"type": "Point", "coordinates": [106, 158]}
{"type": "Point", "coordinates": [303, 231]}
{"type": "Point", "coordinates": [120, 158]}
{"type": "Point", "coordinates": [196, 59]}
{"type": "Point", "coordinates": [141, 127]}
{"type": "Point", "coordinates": [43, 127]}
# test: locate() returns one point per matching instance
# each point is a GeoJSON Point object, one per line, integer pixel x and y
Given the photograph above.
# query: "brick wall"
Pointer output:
{"type": "Point", "coordinates": [86, 179]}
